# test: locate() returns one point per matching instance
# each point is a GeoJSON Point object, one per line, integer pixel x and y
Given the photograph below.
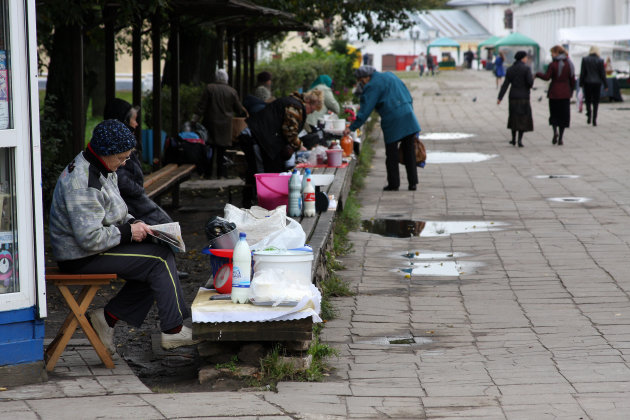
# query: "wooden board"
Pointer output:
{"type": "Point", "coordinates": [298, 330]}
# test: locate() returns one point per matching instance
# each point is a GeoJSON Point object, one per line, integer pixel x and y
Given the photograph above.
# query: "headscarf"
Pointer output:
{"type": "Point", "coordinates": [119, 109]}
{"type": "Point", "coordinates": [364, 71]}
{"type": "Point", "coordinates": [561, 59]}
{"type": "Point", "coordinates": [520, 55]}
{"type": "Point", "coordinates": [221, 76]}
{"type": "Point", "coordinates": [323, 79]}
{"type": "Point", "coordinates": [111, 137]}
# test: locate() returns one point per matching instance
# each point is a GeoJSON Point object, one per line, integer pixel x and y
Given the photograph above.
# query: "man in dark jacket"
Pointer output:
{"type": "Point", "coordinates": [592, 77]}
{"type": "Point", "coordinates": [519, 75]}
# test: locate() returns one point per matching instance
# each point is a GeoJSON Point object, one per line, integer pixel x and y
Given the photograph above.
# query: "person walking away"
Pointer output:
{"type": "Point", "coordinates": [592, 78]}
{"type": "Point", "coordinates": [430, 64]}
{"type": "Point", "coordinates": [519, 77]}
{"type": "Point", "coordinates": [422, 63]}
{"type": "Point", "coordinates": [271, 136]}
{"type": "Point", "coordinates": [218, 105]}
{"type": "Point", "coordinates": [562, 75]}
{"type": "Point", "coordinates": [323, 83]}
{"type": "Point", "coordinates": [468, 58]}
{"type": "Point", "coordinates": [386, 93]}
{"type": "Point", "coordinates": [91, 232]}
{"type": "Point", "coordinates": [499, 70]}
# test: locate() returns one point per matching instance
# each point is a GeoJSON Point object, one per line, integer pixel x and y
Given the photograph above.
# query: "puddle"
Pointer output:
{"type": "Point", "coordinates": [431, 255]}
{"type": "Point", "coordinates": [396, 341]}
{"type": "Point", "coordinates": [445, 136]}
{"type": "Point", "coordinates": [452, 157]}
{"type": "Point", "coordinates": [441, 268]}
{"type": "Point", "coordinates": [556, 176]}
{"type": "Point", "coordinates": [570, 199]}
{"type": "Point", "coordinates": [394, 228]}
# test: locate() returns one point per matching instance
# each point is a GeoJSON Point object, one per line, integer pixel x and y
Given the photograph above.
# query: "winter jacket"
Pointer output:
{"type": "Point", "coordinates": [330, 104]}
{"type": "Point", "coordinates": [278, 125]}
{"type": "Point", "coordinates": [519, 75]}
{"type": "Point", "coordinates": [131, 187]}
{"type": "Point", "coordinates": [253, 104]}
{"type": "Point", "coordinates": [562, 79]}
{"type": "Point", "coordinates": [592, 71]}
{"type": "Point", "coordinates": [88, 216]}
{"type": "Point", "coordinates": [218, 105]}
{"type": "Point", "coordinates": [389, 96]}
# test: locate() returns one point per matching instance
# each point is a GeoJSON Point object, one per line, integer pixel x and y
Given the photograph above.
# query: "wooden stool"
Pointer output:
{"type": "Point", "coordinates": [91, 283]}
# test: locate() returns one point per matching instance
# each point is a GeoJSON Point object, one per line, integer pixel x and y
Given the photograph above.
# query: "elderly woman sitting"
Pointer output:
{"type": "Point", "coordinates": [323, 83]}
{"type": "Point", "coordinates": [92, 232]}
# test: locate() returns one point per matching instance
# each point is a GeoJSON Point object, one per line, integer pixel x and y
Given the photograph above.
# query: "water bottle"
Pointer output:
{"type": "Point", "coordinates": [307, 173]}
{"type": "Point", "coordinates": [294, 208]}
{"type": "Point", "coordinates": [241, 270]}
{"type": "Point", "coordinates": [309, 199]}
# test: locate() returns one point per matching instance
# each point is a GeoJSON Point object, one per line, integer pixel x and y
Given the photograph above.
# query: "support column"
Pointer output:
{"type": "Point", "coordinates": [175, 76]}
{"type": "Point", "coordinates": [157, 89]}
{"type": "Point", "coordinates": [110, 54]}
{"type": "Point", "coordinates": [78, 130]}
{"type": "Point", "coordinates": [136, 84]}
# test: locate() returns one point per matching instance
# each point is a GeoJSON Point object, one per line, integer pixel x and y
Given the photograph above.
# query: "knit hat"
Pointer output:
{"type": "Point", "coordinates": [520, 55]}
{"type": "Point", "coordinates": [364, 71]}
{"type": "Point", "coordinates": [111, 137]}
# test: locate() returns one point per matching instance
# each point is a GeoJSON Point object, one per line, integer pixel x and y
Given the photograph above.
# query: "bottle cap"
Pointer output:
{"type": "Point", "coordinates": [308, 179]}
{"type": "Point", "coordinates": [242, 235]}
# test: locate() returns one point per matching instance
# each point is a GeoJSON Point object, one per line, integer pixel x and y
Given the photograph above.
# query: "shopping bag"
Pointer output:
{"type": "Point", "coordinates": [421, 153]}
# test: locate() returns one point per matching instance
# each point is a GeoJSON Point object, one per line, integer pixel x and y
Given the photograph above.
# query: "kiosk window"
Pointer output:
{"type": "Point", "coordinates": [8, 224]}
{"type": "Point", "coordinates": [6, 119]}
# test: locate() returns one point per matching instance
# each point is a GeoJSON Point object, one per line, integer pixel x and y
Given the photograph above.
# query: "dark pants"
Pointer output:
{"type": "Point", "coordinates": [591, 96]}
{"type": "Point", "coordinates": [218, 152]}
{"type": "Point", "coordinates": [391, 161]}
{"type": "Point", "coordinates": [150, 274]}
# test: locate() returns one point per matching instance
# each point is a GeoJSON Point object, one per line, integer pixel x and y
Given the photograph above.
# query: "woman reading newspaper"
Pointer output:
{"type": "Point", "coordinates": [92, 232]}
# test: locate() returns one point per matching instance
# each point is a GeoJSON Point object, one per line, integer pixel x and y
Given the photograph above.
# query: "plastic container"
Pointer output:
{"type": "Point", "coordinates": [309, 199]}
{"type": "Point", "coordinates": [272, 190]}
{"type": "Point", "coordinates": [295, 263]}
{"type": "Point", "coordinates": [294, 207]}
{"type": "Point", "coordinates": [241, 270]}
{"type": "Point", "coordinates": [334, 157]}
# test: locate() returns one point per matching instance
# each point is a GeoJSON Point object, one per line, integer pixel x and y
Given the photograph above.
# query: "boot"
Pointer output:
{"type": "Point", "coordinates": [520, 144]}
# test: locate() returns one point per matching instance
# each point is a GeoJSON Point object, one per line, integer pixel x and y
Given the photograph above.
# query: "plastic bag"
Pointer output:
{"type": "Point", "coordinates": [266, 228]}
{"type": "Point", "coordinates": [218, 226]}
{"type": "Point", "coordinates": [277, 286]}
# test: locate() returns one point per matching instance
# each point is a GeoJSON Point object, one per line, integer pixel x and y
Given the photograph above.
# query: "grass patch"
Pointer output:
{"type": "Point", "coordinates": [231, 365]}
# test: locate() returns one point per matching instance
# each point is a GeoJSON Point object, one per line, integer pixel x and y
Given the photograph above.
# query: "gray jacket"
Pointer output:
{"type": "Point", "coordinates": [88, 215]}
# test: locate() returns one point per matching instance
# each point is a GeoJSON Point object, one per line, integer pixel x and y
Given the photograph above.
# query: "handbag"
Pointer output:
{"type": "Point", "coordinates": [420, 151]}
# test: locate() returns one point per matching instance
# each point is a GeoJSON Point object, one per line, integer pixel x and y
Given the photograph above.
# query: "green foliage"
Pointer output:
{"type": "Point", "coordinates": [189, 96]}
{"type": "Point", "coordinates": [231, 365]}
{"type": "Point", "coordinates": [299, 70]}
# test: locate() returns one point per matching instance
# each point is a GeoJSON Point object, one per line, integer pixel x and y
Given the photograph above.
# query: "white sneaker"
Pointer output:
{"type": "Point", "coordinates": [182, 338]}
{"type": "Point", "coordinates": [104, 331]}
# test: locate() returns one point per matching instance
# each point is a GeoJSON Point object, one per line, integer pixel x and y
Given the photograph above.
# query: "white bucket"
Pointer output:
{"type": "Point", "coordinates": [297, 264]}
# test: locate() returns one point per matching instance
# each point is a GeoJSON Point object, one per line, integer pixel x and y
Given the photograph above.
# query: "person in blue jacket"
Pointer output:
{"type": "Point", "coordinates": [388, 95]}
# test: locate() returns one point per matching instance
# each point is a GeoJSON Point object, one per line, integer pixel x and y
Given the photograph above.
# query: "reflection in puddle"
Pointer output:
{"type": "Point", "coordinates": [441, 268]}
{"type": "Point", "coordinates": [393, 341]}
{"type": "Point", "coordinates": [452, 157]}
{"type": "Point", "coordinates": [431, 255]}
{"type": "Point", "coordinates": [445, 136]}
{"type": "Point", "coordinates": [570, 199]}
{"type": "Point", "coordinates": [556, 176]}
{"type": "Point", "coordinates": [395, 228]}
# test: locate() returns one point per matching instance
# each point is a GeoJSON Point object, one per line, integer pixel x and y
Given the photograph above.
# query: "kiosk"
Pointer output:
{"type": "Point", "coordinates": [22, 281]}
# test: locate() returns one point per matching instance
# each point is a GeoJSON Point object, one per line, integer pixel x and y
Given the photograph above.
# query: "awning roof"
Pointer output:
{"type": "Point", "coordinates": [444, 42]}
{"type": "Point", "coordinates": [489, 42]}
{"type": "Point", "coordinates": [515, 38]}
{"type": "Point", "coordinates": [454, 24]}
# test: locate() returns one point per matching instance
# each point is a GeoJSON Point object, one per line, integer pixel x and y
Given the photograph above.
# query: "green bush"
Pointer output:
{"type": "Point", "coordinates": [299, 70]}
{"type": "Point", "coordinates": [189, 96]}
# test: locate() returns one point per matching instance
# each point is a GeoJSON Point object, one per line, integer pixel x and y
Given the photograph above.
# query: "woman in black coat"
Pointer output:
{"type": "Point", "coordinates": [592, 78]}
{"type": "Point", "coordinates": [519, 75]}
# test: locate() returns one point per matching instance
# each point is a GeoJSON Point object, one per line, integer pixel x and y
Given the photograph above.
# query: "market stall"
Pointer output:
{"type": "Point", "coordinates": [488, 45]}
{"type": "Point", "coordinates": [446, 62]}
{"type": "Point", "coordinates": [514, 42]}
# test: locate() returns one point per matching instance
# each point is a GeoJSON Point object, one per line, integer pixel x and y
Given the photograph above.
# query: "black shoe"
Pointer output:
{"type": "Point", "coordinates": [560, 142]}
{"type": "Point", "coordinates": [412, 187]}
{"type": "Point", "coordinates": [388, 188]}
{"type": "Point", "coordinates": [594, 123]}
{"type": "Point", "coordinates": [588, 119]}
{"type": "Point", "coordinates": [520, 144]}
{"type": "Point", "coordinates": [513, 143]}
{"type": "Point", "coordinates": [555, 139]}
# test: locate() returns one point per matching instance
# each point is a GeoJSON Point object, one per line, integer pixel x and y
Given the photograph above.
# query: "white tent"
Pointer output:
{"type": "Point", "coordinates": [603, 36]}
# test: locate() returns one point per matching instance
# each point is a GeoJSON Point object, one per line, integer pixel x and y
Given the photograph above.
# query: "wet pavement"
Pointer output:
{"type": "Point", "coordinates": [539, 330]}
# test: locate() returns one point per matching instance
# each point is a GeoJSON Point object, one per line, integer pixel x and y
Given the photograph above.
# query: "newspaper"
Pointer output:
{"type": "Point", "coordinates": [170, 234]}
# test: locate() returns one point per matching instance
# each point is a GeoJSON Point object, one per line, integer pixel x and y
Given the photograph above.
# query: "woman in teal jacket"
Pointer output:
{"type": "Point", "coordinates": [388, 95]}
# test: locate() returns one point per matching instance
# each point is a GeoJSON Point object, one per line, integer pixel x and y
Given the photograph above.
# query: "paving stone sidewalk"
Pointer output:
{"type": "Point", "coordinates": [533, 325]}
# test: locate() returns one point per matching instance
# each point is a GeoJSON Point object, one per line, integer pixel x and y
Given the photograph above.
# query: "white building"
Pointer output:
{"type": "Point", "coordinates": [490, 13]}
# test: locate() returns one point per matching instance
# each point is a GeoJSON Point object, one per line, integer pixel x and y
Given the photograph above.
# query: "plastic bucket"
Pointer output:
{"type": "Point", "coordinates": [296, 263]}
{"type": "Point", "coordinates": [334, 157]}
{"type": "Point", "coordinates": [272, 190]}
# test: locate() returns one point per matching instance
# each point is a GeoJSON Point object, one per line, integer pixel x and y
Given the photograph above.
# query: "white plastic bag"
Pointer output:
{"type": "Point", "coordinates": [277, 286]}
{"type": "Point", "coordinates": [267, 228]}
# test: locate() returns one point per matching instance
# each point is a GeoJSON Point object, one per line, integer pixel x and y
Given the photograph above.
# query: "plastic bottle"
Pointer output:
{"type": "Point", "coordinates": [294, 209]}
{"type": "Point", "coordinates": [309, 199]}
{"type": "Point", "coordinates": [241, 270]}
{"type": "Point", "coordinates": [347, 144]}
{"type": "Point", "coordinates": [307, 174]}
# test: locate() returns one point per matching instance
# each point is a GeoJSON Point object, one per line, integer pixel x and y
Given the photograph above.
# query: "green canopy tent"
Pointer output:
{"type": "Point", "coordinates": [443, 42]}
{"type": "Point", "coordinates": [488, 43]}
{"type": "Point", "coordinates": [515, 40]}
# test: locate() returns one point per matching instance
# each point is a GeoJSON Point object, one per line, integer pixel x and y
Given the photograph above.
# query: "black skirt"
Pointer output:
{"type": "Point", "coordinates": [520, 115]}
{"type": "Point", "coordinates": [560, 112]}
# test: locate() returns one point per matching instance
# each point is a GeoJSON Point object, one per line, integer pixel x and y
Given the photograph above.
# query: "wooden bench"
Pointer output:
{"type": "Point", "coordinates": [78, 307]}
{"type": "Point", "coordinates": [167, 179]}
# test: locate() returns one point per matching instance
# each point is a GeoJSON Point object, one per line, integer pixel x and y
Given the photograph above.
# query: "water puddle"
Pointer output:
{"type": "Point", "coordinates": [445, 136]}
{"type": "Point", "coordinates": [395, 228]}
{"type": "Point", "coordinates": [396, 341]}
{"type": "Point", "coordinates": [556, 176]}
{"type": "Point", "coordinates": [432, 255]}
{"type": "Point", "coordinates": [440, 268]}
{"type": "Point", "coordinates": [452, 157]}
{"type": "Point", "coordinates": [570, 199]}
